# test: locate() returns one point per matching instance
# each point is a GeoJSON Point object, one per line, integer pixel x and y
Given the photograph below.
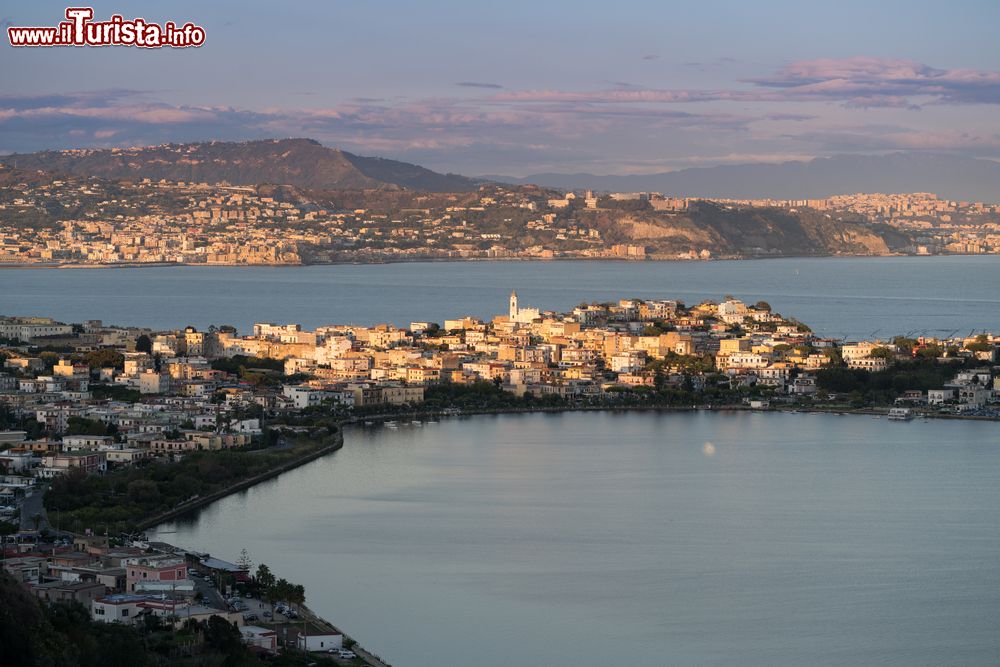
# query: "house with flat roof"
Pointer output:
{"type": "Point", "coordinates": [76, 591]}
{"type": "Point", "coordinates": [322, 642]}
{"type": "Point", "coordinates": [156, 573]}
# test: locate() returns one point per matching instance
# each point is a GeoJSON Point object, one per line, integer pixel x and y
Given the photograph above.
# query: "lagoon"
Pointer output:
{"type": "Point", "coordinates": [623, 538]}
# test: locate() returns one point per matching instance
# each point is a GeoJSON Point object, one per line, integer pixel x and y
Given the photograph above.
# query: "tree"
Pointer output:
{"type": "Point", "coordinates": [931, 351]}
{"type": "Point", "coordinates": [298, 595]}
{"type": "Point", "coordinates": [222, 635]}
{"type": "Point", "coordinates": [981, 344]}
{"type": "Point", "coordinates": [143, 491]}
{"type": "Point", "coordinates": [144, 344]}
{"type": "Point", "coordinates": [244, 561]}
{"type": "Point", "coordinates": [904, 344]}
{"type": "Point", "coordinates": [105, 358]}
{"type": "Point", "coordinates": [84, 426]}
{"type": "Point", "coordinates": [264, 578]}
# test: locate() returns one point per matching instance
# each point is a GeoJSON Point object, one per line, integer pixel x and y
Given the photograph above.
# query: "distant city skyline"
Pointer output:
{"type": "Point", "coordinates": [518, 88]}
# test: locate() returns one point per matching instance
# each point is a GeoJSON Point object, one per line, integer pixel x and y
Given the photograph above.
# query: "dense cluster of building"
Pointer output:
{"type": "Point", "coordinates": [179, 399]}
{"type": "Point", "coordinates": [89, 221]}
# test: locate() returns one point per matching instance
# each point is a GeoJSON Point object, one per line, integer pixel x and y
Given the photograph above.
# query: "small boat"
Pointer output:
{"type": "Point", "coordinates": [367, 423]}
{"type": "Point", "coordinates": [417, 422]}
{"type": "Point", "coordinates": [391, 425]}
{"type": "Point", "coordinates": [900, 414]}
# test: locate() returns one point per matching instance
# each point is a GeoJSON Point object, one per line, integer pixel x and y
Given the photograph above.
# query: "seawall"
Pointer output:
{"type": "Point", "coordinates": [202, 501]}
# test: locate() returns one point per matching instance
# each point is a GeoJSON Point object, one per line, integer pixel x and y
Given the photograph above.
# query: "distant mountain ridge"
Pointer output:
{"type": "Point", "coordinates": [948, 176]}
{"type": "Point", "coordinates": [299, 162]}
{"type": "Point", "coordinates": [306, 163]}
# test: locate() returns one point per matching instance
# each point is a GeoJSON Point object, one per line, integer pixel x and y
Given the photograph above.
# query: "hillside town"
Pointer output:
{"type": "Point", "coordinates": [162, 394]}
{"type": "Point", "coordinates": [89, 401]}
{"type": "Point", "coordinates": [71, 221]}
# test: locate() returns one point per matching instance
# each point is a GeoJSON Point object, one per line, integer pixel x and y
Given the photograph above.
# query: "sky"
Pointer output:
{"type": "Point", "coordinates": [516, 88]}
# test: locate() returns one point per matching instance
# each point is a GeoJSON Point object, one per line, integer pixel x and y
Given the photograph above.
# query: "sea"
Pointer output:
{"type": "Point", "coordinates": [842, 297]}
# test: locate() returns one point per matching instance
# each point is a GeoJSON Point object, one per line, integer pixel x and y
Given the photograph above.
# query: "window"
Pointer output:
{"type": "Point", "coordinates": [124, 612]}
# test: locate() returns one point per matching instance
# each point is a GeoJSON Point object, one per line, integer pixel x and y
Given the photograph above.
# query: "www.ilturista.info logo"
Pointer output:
{"type": "Point", "coordinates": [79, 30]}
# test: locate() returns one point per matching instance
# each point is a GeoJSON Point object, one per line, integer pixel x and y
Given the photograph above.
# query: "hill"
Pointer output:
{"type": "Point", "coordinates": [949, 176]}
{"type": "Point", "coordinates": [299, 162]}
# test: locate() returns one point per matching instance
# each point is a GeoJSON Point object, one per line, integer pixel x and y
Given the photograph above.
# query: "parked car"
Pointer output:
{"type": "Point", "coordinates": [250, 617]}
{"type": "Point", "coordinates": [347, 655]}
{"type": "Point", "coordinates": [268, 614]}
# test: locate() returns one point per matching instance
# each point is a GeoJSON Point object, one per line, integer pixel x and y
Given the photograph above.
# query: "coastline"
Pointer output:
{"type": "Point", "coordinates": [456, 260]}
{"type": "Point", "coordinates": [201, 502]}
{"type": "Point", "coordinates": [880, 412]}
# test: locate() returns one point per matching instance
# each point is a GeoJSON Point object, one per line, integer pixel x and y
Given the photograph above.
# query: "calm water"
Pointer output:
{"type": "Point", "coordinates": [605, 538]}
{"type": "Point", "coordinates": [853, 297]}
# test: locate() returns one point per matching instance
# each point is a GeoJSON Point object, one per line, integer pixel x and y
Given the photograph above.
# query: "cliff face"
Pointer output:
{"type": "Point", "coordinates": [755, 232]}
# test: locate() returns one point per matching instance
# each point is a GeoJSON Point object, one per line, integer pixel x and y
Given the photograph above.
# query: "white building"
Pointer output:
{"type": "Point", "coordinates": [940, 396]}
{"type": "Point", "coordinates": [151, 382]}
{"type": "Point", "coordinates": [521, 315]}
{"type": "Point", "coordinates": [320, 642]}
{"type": "Point", "coordinates": [872, 364]}
{"type": "Point", "coordinates": [26, 328]}
{"type": "Point", "coordinates": [732, 311]}
{"type": "Point", "coordinates": [305, 397]}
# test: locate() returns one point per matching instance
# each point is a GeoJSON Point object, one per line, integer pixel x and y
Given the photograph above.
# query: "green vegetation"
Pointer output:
{"type": "Point", "coordinates": [240, 363]}
{"type": "Point", "coordinates": [120, 500]}
{"type": "Point", "coordinates": [104, 358]}
{"type": "Point", "coordinates": [84, 426]}
{"type": "Point", "coordinates": [144, 344]}
{"type": "Point", "coordinates": [114, 392]}
{"type": "Point", "coordinates": [882, 388]}
{"type": "Point", "coordinates": [981, 344]}
{"type": "Point", "coordinates": [480, 395]}
{"type": "Point", "coordinates": [257, 371]}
